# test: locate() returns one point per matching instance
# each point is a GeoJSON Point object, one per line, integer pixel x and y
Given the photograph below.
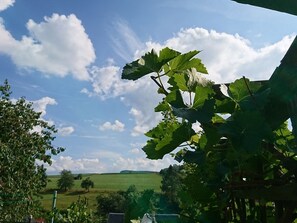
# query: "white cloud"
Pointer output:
{"type": "Point", "coordinates": [4, 4]}
{"type": "Point", "coordinates": [142, 163]}
{"type": "Point", "coordinates": [144, 119]}
{"type": "Point", "coordinates": [135, 151]}
{"type": "Point", "coordinates": [125, 41]}
{"type": "Point", "coordinates": [135, 148]}
{"type": "Point", "coordinates": [57, 46]}
{"type": "Point", "coordinates": [107, 83]}
{"type": "Point", "coordinates": [116, 126]}
{"type": "Point", "coordinates": [41, 105]}
{"type": "Point", "coordinates": [106, 161]}
{"type": "Point", "coordinates": [227, 56]}
{"type": "Point", "coordinates": [65, 131]}
{"type": "Point", "coordinates": [85, 165]}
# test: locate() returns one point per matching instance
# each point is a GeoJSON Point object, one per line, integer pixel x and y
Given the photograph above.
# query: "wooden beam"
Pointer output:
{"type": "Point", "coordinates": [287, 6]}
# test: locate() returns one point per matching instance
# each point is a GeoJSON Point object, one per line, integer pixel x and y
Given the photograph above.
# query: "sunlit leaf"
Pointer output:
{"type": "Point", "coordinates": [186, 61]}
{"type": "Point", "coordinates": [166, 138]}
{"type": "Point", "coordinates": [201, 95]}
{"type": "Point", "coordinates": [179, 81]}
{"type": "Point", "coordinates": [163, 106]}
{"type": "Point", "coordinates": [242, 88]}
{"type": "Point", "coordinates": [148, 63]}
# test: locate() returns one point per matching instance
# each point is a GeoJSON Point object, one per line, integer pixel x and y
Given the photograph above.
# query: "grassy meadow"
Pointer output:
{"type": "Point", "coordinates": [102, 183]}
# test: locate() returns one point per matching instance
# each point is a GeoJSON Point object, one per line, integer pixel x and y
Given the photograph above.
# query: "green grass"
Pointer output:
{"type": "Point", "coordinates": [102, 183]}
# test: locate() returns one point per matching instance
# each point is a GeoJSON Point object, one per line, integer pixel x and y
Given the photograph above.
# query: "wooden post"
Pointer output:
{"type": "Point", "coordinates": [54, 203]}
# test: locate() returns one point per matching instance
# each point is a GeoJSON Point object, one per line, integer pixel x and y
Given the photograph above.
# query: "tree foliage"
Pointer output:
{"type": "Point", "coordinates": [25, 145]}
{"type": "Point", "coordinates": [78, 177]}
{"type": "Point", "coordinates": [242, 165]}
{"type": "Point", "coordinates": [133, 203]}
{"type": "Point", "coordinates": [108, 203]}
{"type": "Point", "coordinates": [171, 186]}
{"type": "Point", "coordinates": [66, 181]}
{"type": "Point", "coordinates": [87, 184]}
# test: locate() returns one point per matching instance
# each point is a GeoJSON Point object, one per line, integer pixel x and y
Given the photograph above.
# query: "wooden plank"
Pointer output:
{"type": "Point", "coordinates": [287, 6]}
{"type": "Point", "coordinates": [286, 192]}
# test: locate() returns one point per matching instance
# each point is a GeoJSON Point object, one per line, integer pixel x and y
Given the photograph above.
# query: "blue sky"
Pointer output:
{"type": "Point", "coordinates": [66, 57]}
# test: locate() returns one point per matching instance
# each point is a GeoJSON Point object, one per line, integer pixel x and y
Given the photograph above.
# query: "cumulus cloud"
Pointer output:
{"type": "Point", "coordinates": [4, 4]}
{"type": "Point", "coordinates": [140, 95]}
{"type": "Point", "coordinates": [135, 151]}
{"type": "Point", "coordinates": [57, 46]}
{"type": "Point", "coordinates": [144, 119]}
{"type": "Point", "coordinates": [107, 161]}
{"type": "Point", "coordinates": [228, 56]}
{"type": "Point", "coordinates": [85, 165]}
{"type": "Point", "coordinates": [41, 104]}
{"type": "Point", "coordinates": [116, 126]}
{"type": "Point", "coordinates": [65, 131]}
{"type": "Point", "coordinates": [106, 82]}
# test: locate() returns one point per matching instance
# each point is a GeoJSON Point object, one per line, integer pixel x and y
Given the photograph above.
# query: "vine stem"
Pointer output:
{"type": "Point", "coordinates": [250, 92]}
{"type": "Point", "coordinates": [247, 86]}
{"type": "Point", "coordinates": [160, 85]}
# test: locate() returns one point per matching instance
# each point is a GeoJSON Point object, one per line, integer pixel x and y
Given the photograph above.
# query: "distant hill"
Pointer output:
{"type": "Point", "coordinates": [136, 171]}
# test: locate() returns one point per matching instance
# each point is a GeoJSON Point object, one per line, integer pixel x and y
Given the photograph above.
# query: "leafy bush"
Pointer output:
{"type": "Point", "coordinates": [77, 212]}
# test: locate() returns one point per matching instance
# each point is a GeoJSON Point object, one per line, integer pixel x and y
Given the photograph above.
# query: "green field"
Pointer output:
{"type": "Point", "coordinates": [103, 183]}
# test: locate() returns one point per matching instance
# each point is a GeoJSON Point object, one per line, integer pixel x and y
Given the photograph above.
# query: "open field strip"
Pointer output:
{"type": "Point", "coordinates": [102, 183]}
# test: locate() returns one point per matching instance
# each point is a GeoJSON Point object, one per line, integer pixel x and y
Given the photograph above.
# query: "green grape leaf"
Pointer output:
{"type": "Point", "coordinates": [167, 137]}
{"type": "Point", "coordinates": [257, 101]}
{"type": "Point", "coordinates": [175, 99]}
{"type": "Point", "coordinates": [283, 136]}
{"type": "Point", "coordinates": [201, 95]}
{"type": "Point", "coordinates": [199, 190]}
{"type": "Point", "coordinates": [283, 83]}
{"type": "Point", "coordinates": [162, 106]}
{"type": "Point", "coordinates": [179, 81]}
{"type": "Point", "coordinates": [157, 132]}
{"type": "Point", "coordinates": [212, 136]}
{"type": "Point", "coordinates": [225, 106]}
{"type": "Point", "coordinates": [166, 55]}
{"type": "Point", "coordinates": [246, 130]}
{"type": "Point", "coordinates": [148, 63]}
{"type": "Point", "coordinates": [197, 157]}
{"type": "Point", "coordinates": [186, 61]}
{"type": "Point", "coordinates": [202, 114]}
{"type": "Point", "coordinates": [242, 88]}
{"type": "Point", "coordinates": [197, 64]}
